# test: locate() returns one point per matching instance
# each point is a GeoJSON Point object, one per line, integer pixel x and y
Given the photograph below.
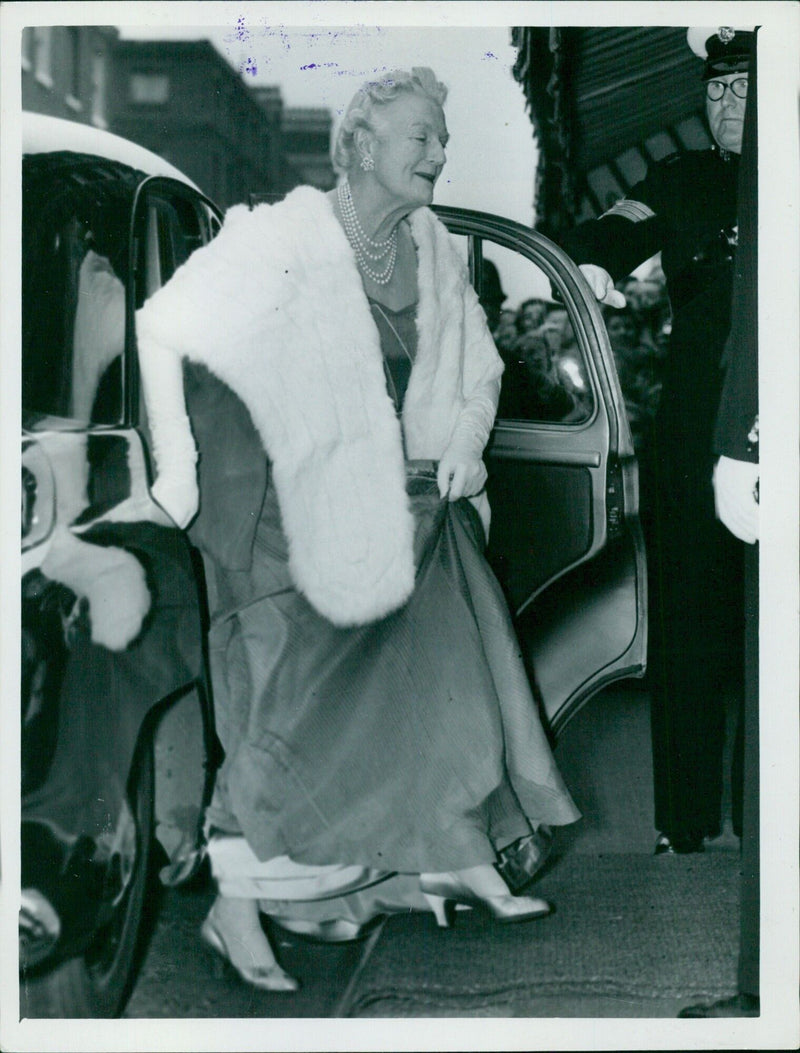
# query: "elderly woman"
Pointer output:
{"type": "Point", "coordinates": [377, 723]}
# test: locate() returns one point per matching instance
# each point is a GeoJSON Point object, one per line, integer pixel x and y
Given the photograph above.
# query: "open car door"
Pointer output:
{"type": "Point", "coordinates": [565, 538]}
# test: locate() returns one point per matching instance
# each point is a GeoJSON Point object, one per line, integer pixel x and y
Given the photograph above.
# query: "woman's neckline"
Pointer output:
{"type": "Point", "coordinates": [393, 310]}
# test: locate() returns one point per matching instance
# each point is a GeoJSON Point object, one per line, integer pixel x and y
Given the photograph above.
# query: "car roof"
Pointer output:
{"type": "Point", "coordinates": [43, 134]}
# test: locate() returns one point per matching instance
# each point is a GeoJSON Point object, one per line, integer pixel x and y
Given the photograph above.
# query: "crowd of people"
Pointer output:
{"type": "Point", "coordinates": [544, 376]}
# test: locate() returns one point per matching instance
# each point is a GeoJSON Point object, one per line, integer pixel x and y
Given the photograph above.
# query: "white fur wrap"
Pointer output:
{"type": "Point", "coordinates": [274, 306]}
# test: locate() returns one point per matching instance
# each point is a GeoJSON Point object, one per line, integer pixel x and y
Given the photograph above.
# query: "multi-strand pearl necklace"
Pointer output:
{"type": "Point", "coordinates": [368, 251]}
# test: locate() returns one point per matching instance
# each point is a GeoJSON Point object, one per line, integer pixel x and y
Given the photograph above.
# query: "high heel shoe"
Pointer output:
{"type": "Point", "coordinates": [265, 978]}
{"type": "Point", "coordinates": [444, 894]}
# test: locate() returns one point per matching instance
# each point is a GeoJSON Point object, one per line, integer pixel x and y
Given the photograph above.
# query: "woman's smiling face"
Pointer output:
{"type": "Point", "coordinates": [408, 147]}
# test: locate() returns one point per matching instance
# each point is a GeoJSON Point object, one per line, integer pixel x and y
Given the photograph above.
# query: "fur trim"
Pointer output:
{"type": "Point", "coordinates": [455, 351]}
{"type": "Point", "coordinates": [291, 332]}
{"type": "Point", "coordinates": [112, 580]}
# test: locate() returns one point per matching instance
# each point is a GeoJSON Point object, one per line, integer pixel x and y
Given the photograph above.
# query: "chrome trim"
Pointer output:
{"type": "Point", "coordinates": [39, 928]}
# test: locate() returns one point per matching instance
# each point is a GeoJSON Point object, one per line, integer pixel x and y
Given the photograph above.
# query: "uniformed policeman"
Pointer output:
{"type": "Point", "coordinates": [736, 478]}
{"type": "Point", "coordinates": [685, 207]}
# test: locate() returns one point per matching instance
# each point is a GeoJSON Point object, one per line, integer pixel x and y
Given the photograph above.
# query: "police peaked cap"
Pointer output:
{"type": "Point", "coordinates": [725, 49]}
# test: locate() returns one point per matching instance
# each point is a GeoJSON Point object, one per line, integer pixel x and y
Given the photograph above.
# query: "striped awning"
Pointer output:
{"type": "Point", "coordinates": [605, 102]}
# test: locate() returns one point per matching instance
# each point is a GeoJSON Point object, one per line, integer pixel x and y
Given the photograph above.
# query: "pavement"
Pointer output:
{"type": "Point", "coordinates": [621, 944]}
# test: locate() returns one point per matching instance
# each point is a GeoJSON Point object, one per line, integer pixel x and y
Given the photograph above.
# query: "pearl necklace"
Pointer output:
{"type": "Point", "coordinates": [367, 249]}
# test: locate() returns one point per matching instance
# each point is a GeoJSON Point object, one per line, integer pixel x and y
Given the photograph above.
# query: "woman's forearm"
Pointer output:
{"type": "Point", "coordinates": [476, 420]}
{"type": "Point", "coordinates": [174, 448]}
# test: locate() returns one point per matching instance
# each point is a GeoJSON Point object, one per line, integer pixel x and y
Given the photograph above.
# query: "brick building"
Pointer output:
{"type": "Point", "coordinates": [65, 71]}
{"type": "Point", "coordinates": [306, 138]}
{"type": "Point", "coordinates": [182, 100]}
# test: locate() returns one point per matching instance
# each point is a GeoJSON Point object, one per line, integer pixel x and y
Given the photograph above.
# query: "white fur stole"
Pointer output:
{"type": "Point", "coordinates": [274, 306]}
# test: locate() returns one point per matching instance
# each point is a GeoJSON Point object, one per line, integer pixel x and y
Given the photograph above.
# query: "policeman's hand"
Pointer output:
{"type": "Point", "coordinates": [460, 475]}
{"type": "Point", "coordinates": [736, 497]}
{"type": "Point", "coordinates": [602, 285]}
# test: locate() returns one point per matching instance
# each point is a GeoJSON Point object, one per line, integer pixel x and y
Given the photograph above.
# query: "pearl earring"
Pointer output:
{"type": "Point", "coordinates": [367, 163]}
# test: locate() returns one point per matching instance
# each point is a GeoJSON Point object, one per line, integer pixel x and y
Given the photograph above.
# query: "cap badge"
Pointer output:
{"type": "Point", "coordinates": [726, 34]}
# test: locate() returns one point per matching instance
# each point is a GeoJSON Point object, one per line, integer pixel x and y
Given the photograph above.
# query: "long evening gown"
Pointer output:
{"type": "Point", "coordinates": [411, 744]}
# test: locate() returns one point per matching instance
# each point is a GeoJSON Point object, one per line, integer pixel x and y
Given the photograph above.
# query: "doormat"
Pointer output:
{"type": "Point", "coordinates": [628, 930]}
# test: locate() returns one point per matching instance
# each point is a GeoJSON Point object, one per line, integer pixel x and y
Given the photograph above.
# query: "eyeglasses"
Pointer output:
{"type": "Point", "coordinates": [715, 89]}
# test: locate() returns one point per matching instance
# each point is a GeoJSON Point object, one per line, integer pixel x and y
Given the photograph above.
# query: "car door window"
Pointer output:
{"type": "Point", "coordinates": [171, 223]}
{"type": "Point", "coordinates": [546, 378]}
{"type": "Point", "coordinates": [170, 228]}
{"type": "Point", "coordinates": [75, 235]}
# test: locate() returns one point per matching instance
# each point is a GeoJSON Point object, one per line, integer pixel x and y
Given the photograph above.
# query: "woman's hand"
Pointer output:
{"type": "Point", "coordinates": [178, 495]}
{"type": "Point", "coordinates": [460, 476]}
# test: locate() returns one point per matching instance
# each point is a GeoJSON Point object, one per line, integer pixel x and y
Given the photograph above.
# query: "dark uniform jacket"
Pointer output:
{"type": "Point", "coordinates": [685, 207]}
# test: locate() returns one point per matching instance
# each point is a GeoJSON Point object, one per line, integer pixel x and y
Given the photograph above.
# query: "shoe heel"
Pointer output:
{"type": "Point", "coordinates": [440, 908]}
{"type": "Point", "coordinates": [219, 955]}
{"type": "Point", "coordinates": [272, 978]}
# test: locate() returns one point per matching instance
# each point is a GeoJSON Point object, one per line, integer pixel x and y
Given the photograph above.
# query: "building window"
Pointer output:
{"type": "Point", "coordinates": [26, 47]}
{"type": "Point", "coordinates": [148, 89]}
{"type": "Point", "coordinates": [99, 90]}
{"type": "Point", "coordinates": [74, 67]}
{"type": "Point", "coordinates": [43, 55]}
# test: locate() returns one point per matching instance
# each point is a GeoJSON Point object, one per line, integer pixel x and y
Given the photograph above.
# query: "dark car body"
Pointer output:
{"type": "Point", "coordinates": [117, 737]}
{"type": "Point", "coordinates": [115, 720]}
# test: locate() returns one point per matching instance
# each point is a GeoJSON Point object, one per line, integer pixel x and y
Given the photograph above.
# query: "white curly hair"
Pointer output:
{"type": "Point", "coordinates": [374, 93]}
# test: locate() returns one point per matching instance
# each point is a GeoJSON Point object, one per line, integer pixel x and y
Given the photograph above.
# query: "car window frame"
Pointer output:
{"type": "Point", "coordinates": [149, 187]}
{"type": "Point", "coordinates": [578, 299]}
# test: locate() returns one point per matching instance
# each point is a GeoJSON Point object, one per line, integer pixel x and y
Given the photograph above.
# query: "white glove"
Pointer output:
{"type": "Point", "coordinates": [735, 484]}
{"type": "Point", "coordinates": [462, 472]}
{"type": "Point", "coordinates": [602, 285]}
{"type": "Point", "coordinates": [174, 450]}
{"type": "Point", "coordinates": [459, 474]}
{"type": "Point", "coordinates": [175, 489]}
